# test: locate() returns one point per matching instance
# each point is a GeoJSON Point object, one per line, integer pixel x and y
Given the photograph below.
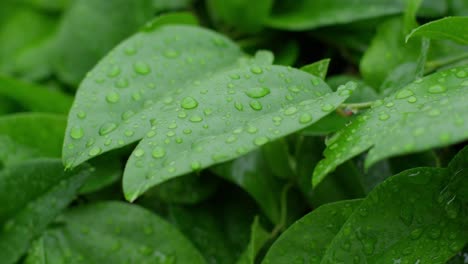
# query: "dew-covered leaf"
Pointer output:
{"type": "Point", "coordinates": [425, 114]}
{"type": "Point", "coordinates": [405, 219]}
{"type": "Point", "coordinates": [318, 68]}
{"type": "Point", "coordinates": [32, 195]}
{"type": "Point", "coordinates": [453, 28]}
{"type": "Point", "coordinates": [35, 97]}
{"type": "Point", "coordinates": [309, 14]}
{"type": "Point", "coordinates": [307, 240]}
{"type": "Point", "coordinates": [114, 232]}
{"type": "Point", "coordinates": [85, 35]}
{"type": "Point", "coordinates": [18, 144]}
{"type": "Point", "coordinates": [193, 100]}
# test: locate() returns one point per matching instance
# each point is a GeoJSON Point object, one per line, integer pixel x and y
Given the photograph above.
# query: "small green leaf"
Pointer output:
{"type": "Point", "coordinates": [45, 191]}
{"type": "Point", "coordinates": [452, 28]}
{"type": "Point", "coordinates": [309, 14]}
{"type": "Point", "coordinates": [192, 107]}
{"type": "Point", "coordinates": [318, 68]}
{"type": "Point", "coordinates": [114, 232]}
{"type": "Point", "coordinates": [35, 97]}
{"type": "Point", "coordinates": [18, 144]}
{"type": "Point", "coordinates": [307, 240]}
{"type": "Point", "coordinates": [85, 35]}
{"type": "Point", "coordinates": [425, 114]}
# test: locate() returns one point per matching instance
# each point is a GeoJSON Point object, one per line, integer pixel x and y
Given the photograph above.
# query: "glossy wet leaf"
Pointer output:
{"type": "Point", "coordinates": [245, 15]}
{"type": "Point", "coordinates": [318, 68]}
{"type": "Point", "coordinates": [404, 219]}
{"type": "Point", "coordinates": [194, 107]}
{"type": "Point", "coordinates": [35, 97]}
{"type": "Point", "coordinates": [114, 232]}
{"type": "Point", "coordinates": [404, 122]}
{"type": "Point", "coordinates": [18, 144]}
{"type": "Point", "coordinates": [307, 240]}
{"type": "Point", "coordinates": [45, 191]}
{"type": "Point", "coordinates": [84, 31]}
{"type": "Point", "coordinates": [309, 14]}
{"type": "Point", "coordinates": [452, 28]}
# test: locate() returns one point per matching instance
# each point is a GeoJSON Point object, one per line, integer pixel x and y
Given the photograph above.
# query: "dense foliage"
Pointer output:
{"type": "Point", "coordinates": [234, 131]}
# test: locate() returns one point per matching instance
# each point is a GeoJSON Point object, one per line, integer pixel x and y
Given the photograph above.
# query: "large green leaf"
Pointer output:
{"type": "Point", "coordinates": [425, 114]}
{"type": "Point", "coordinates": [307, 240]}
{"type": "Point", "coordinates": [308, 14]}
{"type": "Point", "coordinates": [35, 97]}
{"type": "Point", "coordinates": [85, 35]}
{"type": "Point", "coordinates": [113, 232]}
{"type": "Point", "coordinates": [17, 143]}
{"type": "Point", "coordinates": [453, 28]}
{"type": "Point", "coordinates": [32, 195]}
{"type": "Point", "coordinates": [193, 101]}
{"type": "Point", "coordinates": [412, 217]}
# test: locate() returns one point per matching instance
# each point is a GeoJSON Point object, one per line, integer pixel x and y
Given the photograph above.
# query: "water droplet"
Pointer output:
{"type": "Point", "coordinates": [141, 68]}
{"type": "Point", "coordinates": [294, 89]}
{"type": "Point", "coordinates": [260, 141]}
{"type": "Point", "coordinates": [208, 111]}
{"type": "Point", "coordinates": [290, 111]}
{"type": "Point", "coordinates": [445, 137]}
{"type": "Point", "coordinates": [239, 106]}
{"type": "Point", "coordinates": [196, 119]}
{"type": "Point", "coordinates": [189, 103]}
{"type": "Point", "coordinates": [256, 105]}
{"type": "Point", "coordinates": [231, 139]}
{"type": "Point", "coordinates": [384, 116]}
{"type": "Point", "coordinates": [129, 133]}
{"type": "Point", "coordinates": [461, 74]}
{"type": "Point", "coordinates": [235, 76]}
{"type": "Point", "coordinates": [94, 151]}
{"type": "Point", "coordinates": [114, 71]}
{"type": "Point", "coordinates": [327, 107]}
{"type": "Point", "coordinates": [76, 132]}
{"type": "Point", "coordinates": [305, 118]}
{"type": "Point", "coordinates": [437, 89]}
{"type": "Point", "coordinates": [416, 233]}
{"type": "Point", "coordinates": [187, 131]}
{"type": "Point", "coordinates": [158, 152]}
{"type": "Point", "coordinates": [434, 233]}
{"type": "Point", "coordinates": [252, 130]}
{"type": "Point", "coordinates": [195, 165]}
{"type": "Point", "coordinates": [171, 54]}
{"type": "Point", "coordinates": [81, 114]}
{"type": "Point", "coordinates": [127, 114]}
{"type": "Point", "coordinates": [256, 70]}
{"type": "Point", "coordinates": [405, 93]}
{"type": "Point", "coordinates": [257, 92]}
{"type": "Point", "coordinates": [121, 83]}
{"type": "Point", "coordinates": [139, 153]}
{"type": "Point", "coordinates": [130, 50]}
{"type": "Point", "coordinates": [412, 99]}
{"type": "Point", "coordinates": [107, 128]}
{"type": "Point", "coordinates": [112, 97]}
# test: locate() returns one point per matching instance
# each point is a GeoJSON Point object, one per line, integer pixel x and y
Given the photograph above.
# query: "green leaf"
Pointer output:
{"type": "Point", "coordinates": [306, 241]}
{"type": "Point", "coordinates": [452, 28]}
{"type": "Point", "coordinates": [85, 36]}
{"type": "Point", "coordinates": [106, 170]}
{"type": "Point", "coordinates": [318, 68]}
{"type": "Point", "coordinates": [425, 114]}
{"type": "Point", "coordinates": [201, 105]}
{"type": "Point", "coordinates": [309, 14]}
{"type": "Point", "coordinates": [30, 135]}
{"type": "Point", "coordinates": [114, 232]}
{"type": "Point", "coordinates": [35, 97]}
{"type": "Point", "coordinates": [402, 219]}
{"type": "Point", "coordinates": [258, 238]}
{"type": "Point", "coordinates": [164, 5]}
{"type": "Point", "coordinates": [247, 16]}
{"type": "Point", "coordinates": [45, 191]}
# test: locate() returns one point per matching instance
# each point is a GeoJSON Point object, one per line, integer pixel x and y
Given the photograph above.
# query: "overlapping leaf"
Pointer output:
{"type": "Point", "coordinates": [187, 93]}
{"type": "Point", "coordinates": [453, 28]}
{"type": "Point", "coordinates": [113, 232]}
{"type": "Point", "coordinates": [33, 194]}
{"type": "Point", "coordinates": [425, 114]}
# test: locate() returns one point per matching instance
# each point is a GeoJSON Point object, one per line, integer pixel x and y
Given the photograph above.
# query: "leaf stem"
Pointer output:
{"type": "Point", "coordinates": [284, 210]}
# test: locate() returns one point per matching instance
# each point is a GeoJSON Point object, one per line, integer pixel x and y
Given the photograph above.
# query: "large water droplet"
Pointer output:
{"type": "Point", "coordinates": [139, 153]}
{"type": "Point", "coordinates": [290, 111]}
{"type": "Point", "coordinates": [195, 165]}
{"type": "Point", "coordinates": [437, 89]}
{"type": "Point", "coordinates": [196, 119]}
{"type": "Point", "coordinates": [107, 128]}
{"type": "Point", "coordinates": [327, 107]}
{"type": "Point", "coordinates": [256, 105]}
{"type": "Point", "coordinates": [94, 151]}
{"type": "Point", "coordinates": [260, 141]}
{"type": "Point", "coordinates": [76, 132]}
{"type": "Point", "coordinates": [158, 152]}
{"type": "Point", "coordinates": [257, 92]}
{"type": "Point", "coordinates": [189, 103]}
{"type": "Point", "coordinates": [171, 54]}
{"type": "Point", "coordinates": [112, 97]}
{"type": "Point", "coordinates": [141, 68]}
{"type": "Point", "coordinates": [256, 70]}
{"type": "Point", "coordinates": [239, 106]}
{"type": "Point", "coordinates": [405, 93]}
{"type": "Point", "coordinates": [305, 118]}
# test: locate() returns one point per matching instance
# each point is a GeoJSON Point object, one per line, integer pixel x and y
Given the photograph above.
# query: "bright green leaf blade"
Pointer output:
{"type": "Point", "coordinates": [45, 191]}
{"type": "Point", "coordinates": [115, 232]}
{"type": "Point", "coordinates": [452, 28]}
{"type": "Point", "coordinates": [245, 15]}
{"type": "Point", "coordinates": [193, 100]}
{"type": "Point", "coordinates": [402, 219]}
{"type": "Point", "coordinates": [258, 237]}
{"type": "Point", "coordinates": [35, 97]}
{"type": "Point", "coordinates": [309, 14]}
{"type": "Point", "coordinates": [30, 135]}
{"type": "Point", "coordinates": [85, 35]}
{"type": "Point", "coordinates": [427, 113]}
{"type": "Point", "coordinates": [307, 240]}
{"type": "Point", "coordinates": [318, 68]}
